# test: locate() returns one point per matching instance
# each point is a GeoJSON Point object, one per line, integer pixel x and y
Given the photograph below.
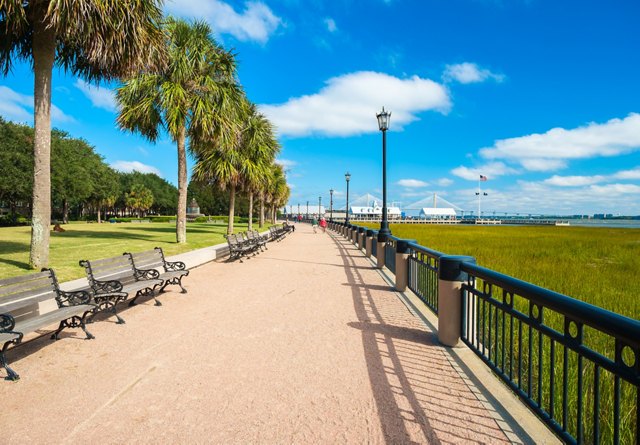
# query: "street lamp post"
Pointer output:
{"type": "Point", "coordinates": [347, 176]}
{"type": "Point", "coordinates": [307, 209]}
{"type": "Point", "coordinates": [331, 205]}
{"type": "Point", "coordinates": [383, 123]}
{"type": "Point", "coordinates": [319, 205]}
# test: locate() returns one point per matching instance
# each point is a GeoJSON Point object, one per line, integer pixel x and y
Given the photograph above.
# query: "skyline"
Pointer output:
{"type": "Point", "coordinates": [541, 98]}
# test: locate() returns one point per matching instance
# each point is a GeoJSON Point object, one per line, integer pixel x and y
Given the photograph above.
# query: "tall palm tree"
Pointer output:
{"type": "Point", "coordinates": [260, 148]}
{"type": "Point", "coordinates": [278, 192]}
{"type": "Point", "coordinates": [94, 39]}
{"type": "Point", "coordinates": [193, 98]}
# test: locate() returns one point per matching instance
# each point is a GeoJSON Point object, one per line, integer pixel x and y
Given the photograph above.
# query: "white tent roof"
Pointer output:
{"type": "Point", "coordinates": [437, 211]}
{"type": "Point", "coordinates": [377, 210]}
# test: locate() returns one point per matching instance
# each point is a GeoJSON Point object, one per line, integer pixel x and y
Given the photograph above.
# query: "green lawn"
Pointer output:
{"type": "Point", "coordinates": [95, 241]}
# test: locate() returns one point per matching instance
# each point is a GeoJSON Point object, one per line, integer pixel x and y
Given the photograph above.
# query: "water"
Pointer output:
{"type": "Point", "coordinates": [610, 223]}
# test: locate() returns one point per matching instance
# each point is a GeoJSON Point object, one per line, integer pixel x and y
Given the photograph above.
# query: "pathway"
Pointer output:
{"type": "Point", "coordinates": [304, 343]}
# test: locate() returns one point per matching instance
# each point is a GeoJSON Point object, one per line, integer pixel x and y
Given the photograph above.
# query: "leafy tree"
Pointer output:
{"type": "Point", "coordinates": [139, 198]}
{"type": "Point", "coordinates": [94, 39]}
{"type": "Point", "coordinates": [16, 163]}
{"type": "Point", "coordinates": [105, 190]}
{"type": "Point", "coordinates": [72, 162]}
{"type": "Point", "coordinates": [192, 98]}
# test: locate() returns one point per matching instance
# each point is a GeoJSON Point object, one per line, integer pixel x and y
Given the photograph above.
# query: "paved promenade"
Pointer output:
{"type": "Point", "coordinates": [304, 343]}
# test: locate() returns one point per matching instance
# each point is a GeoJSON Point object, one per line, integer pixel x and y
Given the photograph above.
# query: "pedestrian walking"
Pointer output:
{"type": "Point", "coordinates": [323, 224]}
{"type": "Point", "coordinates": [314, 224]}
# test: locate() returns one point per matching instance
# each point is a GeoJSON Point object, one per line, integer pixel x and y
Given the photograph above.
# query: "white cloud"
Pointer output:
{"type": "Point", "coordinates": [615, 189]}
{"type": "Point", "coordinates": [469, 73]}
{"type": "Point", "coordinates": [615, 137]}
{"type": "Point", "coordinates": [347, 104]}
{"type": "Point", "coordinates": [255, 23]}
{"type": "Point", "coordinates": [628, 174]}
{"type": "Point", "coordinates": [543, 165]}
{"type": "Point", "coordinates": [19, 108]}
{"type": "Point", "coordinates": [129, 166]}
{"type": "Point", "coordinates": [574, 181]}
{"type": "Point", "coordinates": [286, 163]}
{"type": "Point", "coordinates": [444, 182]}
{"type": "Point", "coordinates": [490, 170]}
{"type": "Point", "coordinates": [100, 97]}
{"type": "Point", "coordinates": [412, 183]}
{"type": "Point", "coordinates": [331, 24]}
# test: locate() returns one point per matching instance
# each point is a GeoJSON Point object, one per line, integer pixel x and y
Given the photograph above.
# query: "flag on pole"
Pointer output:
{"type": "Point", "coordinates": [483, 178]}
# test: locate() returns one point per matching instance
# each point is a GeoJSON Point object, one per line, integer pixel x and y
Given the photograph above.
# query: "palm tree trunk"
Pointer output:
{"type": "Point", "coordinates": [99, 208]}
{"type": "Point", "coordinates": [181, 220]}
{"type": "Point", "coordinates": [250, 210]}
{"type": "Point", "coordinates": [273, 214]}
{"type": "Point", "coordinates": [65, 211]}
{"type": "Point", "coordinates": [44, 47]}
{"type": "Point", "coordinates": [232, 204]}
{"type": "Point", "coordinates": [261, 224]}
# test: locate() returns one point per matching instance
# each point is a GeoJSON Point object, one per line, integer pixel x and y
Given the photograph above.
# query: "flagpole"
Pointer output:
{"type": "Point", "coordinates": [479, 198]}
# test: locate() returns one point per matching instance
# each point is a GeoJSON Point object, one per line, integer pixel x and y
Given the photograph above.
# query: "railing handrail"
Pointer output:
{"type": "Point", "coordinates": [609, 322]}
{"type": "Point", "coordinates": [418, 248]}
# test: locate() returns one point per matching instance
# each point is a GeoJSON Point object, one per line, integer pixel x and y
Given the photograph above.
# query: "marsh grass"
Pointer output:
{"type": "Point", "coordinates": [95, 241]}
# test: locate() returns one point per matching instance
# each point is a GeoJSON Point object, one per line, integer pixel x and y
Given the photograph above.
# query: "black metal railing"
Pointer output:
{"type": "Point", "coordinates": [576, 365]}
{"type": "Point", "coordinates": [390, 253]}
{"type": "Point", "coordinates": [422, 273]}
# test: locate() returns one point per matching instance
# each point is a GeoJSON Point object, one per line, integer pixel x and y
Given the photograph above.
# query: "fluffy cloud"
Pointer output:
{"type": "Point", "coordinates": [574, 181]}
{"type": "Point", "coordinates": [444, 182]}
{"type": "Point", "coordinates": [469, 73]}
{"type": "Point", "coordinates": [628, 174]}
{"type": "Point", "coordinates": [19, 108]}
{"type": "Point", "coordinates": [347, 104]}
{"type": "Point", "coordinates": [286, 163]}
{"type": "Point", "coordinates": [412, 183]}
{"type": "Point", "coordinates": [490, 170]}
{"type": "Point", "coordinates": [100, 97]}
{"type": "Point", "coordinates": [615, 137]}
{"type": "Point", "coordinates": [129, 166]}
{"type": "Point", "coordinates": [331, 24]}
{"type": "Point", "coordinates": [255, 23]}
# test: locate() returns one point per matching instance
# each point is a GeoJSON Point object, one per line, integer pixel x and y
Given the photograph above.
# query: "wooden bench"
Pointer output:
{"type": "Point", "coordinates": [258, 239]}
{"type": "Point", "coordinates": [20, 314]}
{"type": "Point", "coordinates": [238, 247]}
{"type": "Point", "coordinates": [170, 272]}
{"type": "Point", "coordinates": [119, 274]}
{"type": "Point", "coordinates": [277, 232]}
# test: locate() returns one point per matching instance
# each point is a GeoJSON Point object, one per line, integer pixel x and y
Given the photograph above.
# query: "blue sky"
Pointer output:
{"type": "Point", "coordinates": [540, 96]}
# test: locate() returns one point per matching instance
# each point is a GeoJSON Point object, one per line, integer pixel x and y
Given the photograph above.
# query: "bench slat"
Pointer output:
{"type": "Point", "coordinates": [123, 276]}
{"type": "Point", "coordinates": [14, 288]}
{"type": "Point", "coordinates": [23, 278]}
{"type": "Point", "coordinates": [44, 320]}
{"type": "Point", "coordinates": [122, 259]}
{"type": "Point", "coordinates": [25, 299]}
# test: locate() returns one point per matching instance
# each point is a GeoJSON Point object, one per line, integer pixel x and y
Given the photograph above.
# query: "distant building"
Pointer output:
{"type": "Point", "coordinates": [312, 210]}
{"type": "Point", "coordinates": [437, 213]}
{"type": "Point", "coordinates": [374, 212]}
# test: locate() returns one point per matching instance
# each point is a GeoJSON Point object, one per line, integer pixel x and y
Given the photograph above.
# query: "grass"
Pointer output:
{"type": "Point", "coordinates": [95, 241]}
{"type": "Point", "coordinates": [596, 265]}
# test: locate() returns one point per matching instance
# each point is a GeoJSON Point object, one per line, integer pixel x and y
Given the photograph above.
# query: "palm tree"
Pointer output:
{"type": "Point", "coordinates": [278, 192]}
{"type": "Point", "coordinates": [192, 97]}
{"type": "Point", "coordinates": [93, 39]}
{"type": "Point", "coordinates": [260, 147]}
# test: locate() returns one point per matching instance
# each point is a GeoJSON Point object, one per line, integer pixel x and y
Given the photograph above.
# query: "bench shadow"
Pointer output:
{"type": "Point", "coordinates": [419, 397]}
{"type": "Point", "coordinates": [19, 264]}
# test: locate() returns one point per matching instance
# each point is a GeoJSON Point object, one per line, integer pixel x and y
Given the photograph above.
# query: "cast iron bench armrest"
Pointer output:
{"type": "Point", "coordinates": [175, 265]}
{"type": "Point", "coordinates": [109, 286]}
{"type": "Point", "coordinates": [67, 299]}
{"type": "Point", "coordinates": [146, 274]}
{"type": "Point", "coordinates": [7, 323]}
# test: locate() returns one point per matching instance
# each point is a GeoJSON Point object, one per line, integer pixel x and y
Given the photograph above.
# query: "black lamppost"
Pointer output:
{"type": "Point", "coordinates": [331, 205]}
{"type": "Point", "coordinates": [383, 123]}
{"type": "Point", "coordinates": [307, 209]}
{"type": "Point", "coordinates": [319, 205]}
{"type": "Point", "coordinates": [347, 176]}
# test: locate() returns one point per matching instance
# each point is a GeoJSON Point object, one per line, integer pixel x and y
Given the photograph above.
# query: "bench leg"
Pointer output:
{"type": "Point", "coordinates": [115, 314]}
{"type": "Point", "coordinates": [62, 325]}
{"type": "Point", "coordinates": [11, 374]}
{"type": "Point", "coordinates": [84, 328]}
{"type": "Point", "coordinates": [183, 291]}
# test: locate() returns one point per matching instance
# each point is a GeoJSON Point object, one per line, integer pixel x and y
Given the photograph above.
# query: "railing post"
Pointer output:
{"type": "Point", "coordinates": [368, 242]}
{"type": "Point", "coordinates": [402, 264]}
{"type": "Point", "coordinates": [354, 232]}
{"type": "Point", "coordinates": [361, 238]}
{"type": "Point", "coordinates": [450, 280]}
{"type": "Point", "coordinates": [380, 252]}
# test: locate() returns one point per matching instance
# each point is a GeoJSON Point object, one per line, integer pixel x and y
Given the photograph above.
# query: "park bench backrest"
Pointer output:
{"type": "Point", "coordinates": [149, 259]}
{"type": "Point", "coordinates": [19, 296]}
{"type": "Point", "coordinates": [119, 268]}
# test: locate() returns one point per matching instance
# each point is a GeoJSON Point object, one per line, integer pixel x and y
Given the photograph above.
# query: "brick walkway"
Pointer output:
{"type": "Point", "coordinates": [304, 343]}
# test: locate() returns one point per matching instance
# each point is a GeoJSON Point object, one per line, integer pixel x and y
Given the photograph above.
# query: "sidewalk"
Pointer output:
{"type": "Point", "coordinates": [304, 343]}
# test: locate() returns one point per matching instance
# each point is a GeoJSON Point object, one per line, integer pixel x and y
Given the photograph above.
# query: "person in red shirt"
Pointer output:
{"type": "Point", "coordinates": [323, 224]}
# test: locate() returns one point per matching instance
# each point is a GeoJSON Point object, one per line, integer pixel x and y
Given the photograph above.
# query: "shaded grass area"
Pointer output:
{"type": "Point", "coordinates": [593, 264]}
{"type": "Point", "coordinates": [95, 241]}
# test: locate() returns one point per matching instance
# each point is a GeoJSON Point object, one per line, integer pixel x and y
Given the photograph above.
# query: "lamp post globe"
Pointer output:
{"type": "Point", "coordinates": [384, 117]}
{"type": "Point", "coordinates": [347, 177]}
